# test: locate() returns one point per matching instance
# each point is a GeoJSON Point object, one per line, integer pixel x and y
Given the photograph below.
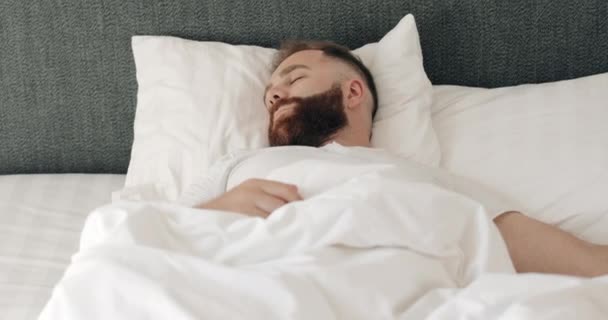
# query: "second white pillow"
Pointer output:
{"type": "Point", "coordinates": [543, 146]}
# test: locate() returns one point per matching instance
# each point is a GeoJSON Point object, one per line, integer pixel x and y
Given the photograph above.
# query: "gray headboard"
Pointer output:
{"type": "Point", "coordinates": [67, 78]}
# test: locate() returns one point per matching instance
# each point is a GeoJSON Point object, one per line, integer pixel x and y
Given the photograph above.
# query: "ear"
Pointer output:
{"type": "Point", "coordinates": [353, 97]}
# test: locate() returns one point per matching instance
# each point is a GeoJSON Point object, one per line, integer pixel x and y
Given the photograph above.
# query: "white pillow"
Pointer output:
{"type": "Point", "coordinates": [544, 146]}
{"type": "Point", "coordinates": [200, 100]}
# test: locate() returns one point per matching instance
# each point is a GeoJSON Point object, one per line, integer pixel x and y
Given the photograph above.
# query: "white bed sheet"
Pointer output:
{"type": "Point", "coordinates": [41, 217]}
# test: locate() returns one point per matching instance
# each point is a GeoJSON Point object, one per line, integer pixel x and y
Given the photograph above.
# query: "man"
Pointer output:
{"type": "Point", "coordinates": [321, 95]}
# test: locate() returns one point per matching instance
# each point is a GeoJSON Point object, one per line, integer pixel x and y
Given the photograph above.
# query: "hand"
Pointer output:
{"type": "Point", "coordinates": [255, 197]}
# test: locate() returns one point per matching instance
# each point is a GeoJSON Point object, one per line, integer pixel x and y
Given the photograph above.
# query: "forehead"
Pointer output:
{"type": "Point", "coordinates": [309, 58]}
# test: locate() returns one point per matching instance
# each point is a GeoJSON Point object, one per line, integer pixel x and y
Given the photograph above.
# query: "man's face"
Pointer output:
{"type": "Point", "coordinates": [304, 100]}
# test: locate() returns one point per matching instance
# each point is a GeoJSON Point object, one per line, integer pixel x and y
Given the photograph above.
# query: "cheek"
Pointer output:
{"type": "Point", "coordinates": [308, 88]}
{"type": "Point", "coordinates": [301, 90]}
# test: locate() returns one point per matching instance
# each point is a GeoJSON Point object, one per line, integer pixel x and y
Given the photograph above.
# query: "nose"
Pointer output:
{"type": "Point", "coordinates": [274, 95]}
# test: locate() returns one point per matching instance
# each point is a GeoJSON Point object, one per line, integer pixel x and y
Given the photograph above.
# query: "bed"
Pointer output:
{"type": "Point", "coordinates": [42, 216]}
{"type": "Point", "coordinates": [69, 96]}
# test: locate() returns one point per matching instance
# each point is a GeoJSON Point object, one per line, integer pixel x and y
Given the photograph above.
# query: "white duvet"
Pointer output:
{"type": "Point", "coordinates": [391, 243]}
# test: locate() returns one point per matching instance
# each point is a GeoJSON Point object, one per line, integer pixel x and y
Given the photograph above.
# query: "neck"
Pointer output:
{"type": "Point", "coordinates": [351, 138]}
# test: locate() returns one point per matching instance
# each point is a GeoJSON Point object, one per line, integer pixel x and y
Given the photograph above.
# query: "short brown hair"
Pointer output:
{"type": "Point", "coordinates": [332, 50]}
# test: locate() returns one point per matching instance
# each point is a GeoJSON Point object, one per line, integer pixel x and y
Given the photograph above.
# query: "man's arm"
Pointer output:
{"type": "Point", "coordinates": [255, 197]}
{"type": "Point", "coordinates": [535, 246]}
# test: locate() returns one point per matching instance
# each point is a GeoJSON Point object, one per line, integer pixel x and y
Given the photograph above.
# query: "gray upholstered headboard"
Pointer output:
{"type": "Point", "coordinates": [67, 78]}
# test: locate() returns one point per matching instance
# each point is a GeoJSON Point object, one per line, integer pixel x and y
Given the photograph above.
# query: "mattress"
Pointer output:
{"type": "Point", "coordinates": [41, 217]}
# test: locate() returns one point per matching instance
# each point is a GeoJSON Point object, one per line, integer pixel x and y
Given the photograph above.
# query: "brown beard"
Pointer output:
{"type": "Point", "coordinates": [312, 121]}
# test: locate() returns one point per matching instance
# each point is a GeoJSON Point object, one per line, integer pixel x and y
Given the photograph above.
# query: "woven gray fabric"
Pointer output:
{"type": "Point", "coordinates": [67, 78]}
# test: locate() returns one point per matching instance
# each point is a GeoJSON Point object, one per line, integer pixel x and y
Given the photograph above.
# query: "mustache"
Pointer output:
{"type": "Point", "coordinates": [298, 101]}
{"type": "Point", "coordinates": [285, 102]}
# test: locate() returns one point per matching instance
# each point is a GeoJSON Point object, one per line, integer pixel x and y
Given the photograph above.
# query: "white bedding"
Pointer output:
{"type": "Point", "coordinates": [41, 217]}
{"type": "Point", "coordinates": [390, 243]}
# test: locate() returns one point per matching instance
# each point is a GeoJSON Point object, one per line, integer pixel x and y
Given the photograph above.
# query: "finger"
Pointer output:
{"type": "Point", "coordinates": [287, 192]}
{"type": "Point", "coordinates": [255, 211]}
{"type": "Point", "coordinates": [268, 202]}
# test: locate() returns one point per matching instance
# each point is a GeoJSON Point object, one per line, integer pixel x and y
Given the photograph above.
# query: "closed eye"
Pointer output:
{"type": "Point", "coordinates": [296, 79]}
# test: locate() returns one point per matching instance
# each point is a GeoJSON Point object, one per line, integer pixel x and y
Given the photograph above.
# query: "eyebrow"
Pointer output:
{"type": "Point", "coordinates": [284, 72]}
{"type": "Point", "coordinates": [292, 67]}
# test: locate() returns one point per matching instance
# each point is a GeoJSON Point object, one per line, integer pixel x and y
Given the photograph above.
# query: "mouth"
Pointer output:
{"type": "Point", "coordinates": [283, 111]}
